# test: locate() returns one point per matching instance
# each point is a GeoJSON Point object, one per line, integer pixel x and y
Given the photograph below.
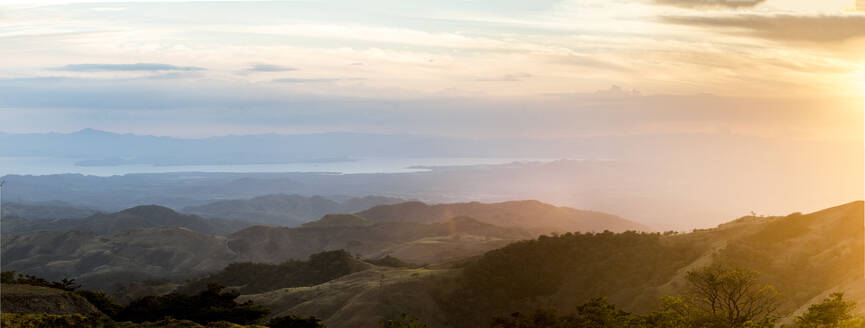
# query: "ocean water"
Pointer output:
{"type": "Point", "coordinates": [43, 166]}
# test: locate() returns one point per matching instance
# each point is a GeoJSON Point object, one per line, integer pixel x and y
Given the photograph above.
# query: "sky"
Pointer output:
{"type": "Point", "coordinates": [792, 69]}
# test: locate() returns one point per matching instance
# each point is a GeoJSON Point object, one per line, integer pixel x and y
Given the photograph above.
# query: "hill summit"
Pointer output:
{"type": "Point", "coordinates": [338, 220]}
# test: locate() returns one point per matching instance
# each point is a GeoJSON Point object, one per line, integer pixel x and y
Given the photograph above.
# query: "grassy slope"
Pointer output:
{"type": "Point", "coordinates": [361, 299]}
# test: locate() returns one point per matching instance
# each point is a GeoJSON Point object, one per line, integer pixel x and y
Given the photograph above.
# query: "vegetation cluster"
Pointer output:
{"type": "Point", "coordinates": [213, 307]}
{"type": "Point", "coordinates": [252, 278]}
{"type": "Point", "coordinates": [566, 270]}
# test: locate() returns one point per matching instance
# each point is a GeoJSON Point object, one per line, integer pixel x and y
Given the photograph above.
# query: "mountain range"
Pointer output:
{"type": "Point", "coordinates": [138, 217]}
{"type": "Point", "coordinates": [90, 147]}
{"type": "Point", "coordinates": [285, 210]}
{"type": "Point", "coordinates": [152, 241]}
{"type": "Point", "coordinates": [466, 270]}
{"type": "Point", "coordinates": [46, 210]}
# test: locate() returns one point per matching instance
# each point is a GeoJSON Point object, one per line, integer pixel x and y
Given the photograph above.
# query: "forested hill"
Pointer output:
{"type": "Point", "coordinates": [802, 256]}
{"type": "Point", "coordinates": [102, 260]}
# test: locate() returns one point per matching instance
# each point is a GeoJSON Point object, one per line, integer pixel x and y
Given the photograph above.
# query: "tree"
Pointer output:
{"type": "Point", "coordinates": [832, 312]}
{"type": "Point", "coordinates": [9, 277]}
{"type": "Point", "coordinates": [101, 301]}
{"type": "Point", "coordinates": [599, 313]}
{"type": "Point", "coordinates": [726, 298]}
{"type": "Point", "coordinates": [541, 318]}
{"type": "Point", "coordinates": [211, 305]}
{"type": "Point", "coordinates": [293, 321]}
{"type": "Point", "coordinates": [405, 321]}
{"type": "Point", "coordinates": [596, 313]}
{"type": "Point", "coordinates": [674, 313]}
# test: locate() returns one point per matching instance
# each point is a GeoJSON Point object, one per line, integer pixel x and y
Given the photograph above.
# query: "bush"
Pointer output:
{"type": "Point", "coordinates": [832, 312]}
{"type": "Point", "coordinates": [293, 321]}
{"type": "Point", "coordinates": [390, 261]}
{"type": "Point", "coordinates": [101, 301]}
{"type": "Point", "coordinates": [9, 277]}
{"type": "Point", "coordinates": [405, 321]}
{"type": "Point", "coordinates": [210, 305]}
{"type": "Point", "coordinates": [262, 277]}
{"type": "Point", "coordinates": [30, 320]}
{"type": "Point", "coordinates": [596, 313]}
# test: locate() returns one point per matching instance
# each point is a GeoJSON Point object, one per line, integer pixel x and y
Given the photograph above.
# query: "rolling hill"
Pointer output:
{"type": "Point", "coordinates": [148, 216]}
{"type": "Point", "coordinates": [285, 210]}
{"type": "Point", "coordinates": [478, 270]}
{"type": "Point", "coordinates": [805, 256]}
{"type": "Point", "coordinates": [103, 260]}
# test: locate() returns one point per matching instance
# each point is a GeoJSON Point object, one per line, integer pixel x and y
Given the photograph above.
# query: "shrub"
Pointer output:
{"type": "Point", "coordinates": [293, 321]}
{"type": "Point", "coordinates": [210, 305]}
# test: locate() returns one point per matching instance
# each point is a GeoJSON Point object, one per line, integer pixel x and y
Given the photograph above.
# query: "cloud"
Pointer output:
{"type": "Point", "coordinates": [314, 80]}
{"type": "Point", "coordinates": [823, 28]}
{"type": "Point", "coordinates": [269, 68]}
{"type": "Point", "coordinates": [215, 104]}
{"type": "Point", "coordinates": [711, 3]}
{"type": "Point", "coordinates": [173, 76]}
{"type": "Point", "coordinates": [588, 62]}
{"type": "Point", "coordinates": [506, 78]}
{"type": "Point", "coordinates": [108, 9]}
{"type": "Point", "coordinates": [617, 91]}
{"type": "Point", "coordinates": [137, 67]}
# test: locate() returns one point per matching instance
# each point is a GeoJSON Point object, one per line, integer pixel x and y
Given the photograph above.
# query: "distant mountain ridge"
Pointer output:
{"type": "Point", "coordinates": [285, 210]}
{"type": "Point", "coordinates": [338, 220]}
{"type": "Point", "coordinates": [101, 148]}
{"type": "Point", "coordinates": [107, 248]}
{"type": "Point", "coordinates": [527, 214]}
{"type": "Point", "coordinates": [276, 244]}
{"type": "Point", "coordinates": [46, 210]}
{"type": "Point", "coordinates": [147, 216]}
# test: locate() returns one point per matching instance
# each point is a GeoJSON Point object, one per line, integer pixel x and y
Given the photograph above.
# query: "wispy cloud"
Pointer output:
{"type": "Point", "coordinates": [711, 3]}
{"type": "Point", "coordinates": [613, 111]}
{"type": "Point", "coordinates": [588, 62]}
{"type": "Point", "coordinates": [314, 80]}
{"type": "Point", "coordinates": [822, 28]}
{"type": "Point", "coordinates": [137, 67]}
{"type": "Point", "coordinates": [506, 78]}
{"type": "Point", "coordinates": [269, 68]}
